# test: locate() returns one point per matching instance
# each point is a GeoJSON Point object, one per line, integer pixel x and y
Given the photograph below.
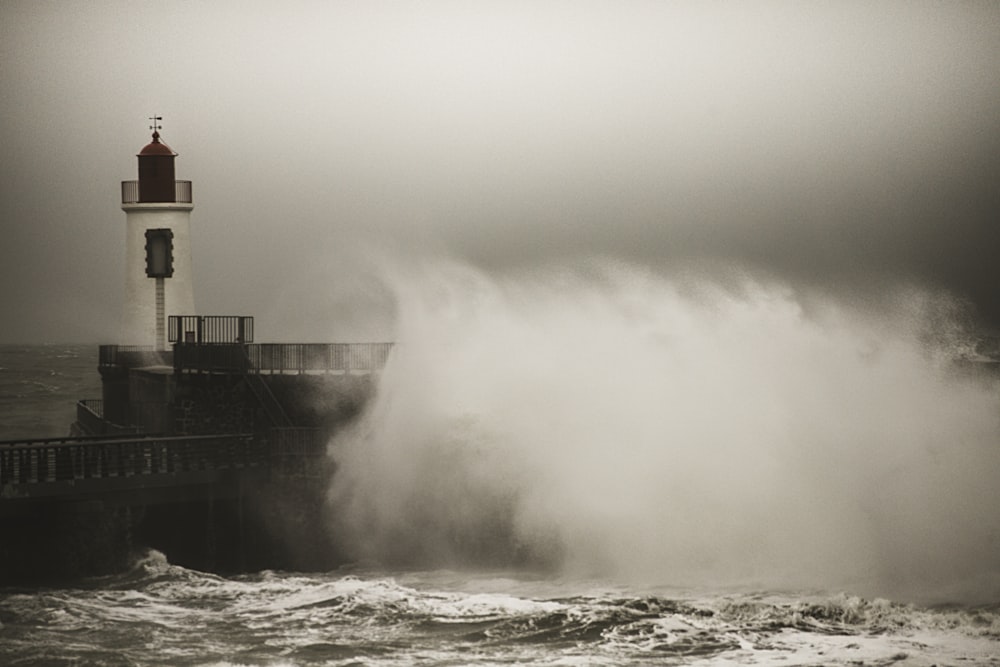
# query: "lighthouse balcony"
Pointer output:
{"type": "Point", "coordinates": [131, 193]}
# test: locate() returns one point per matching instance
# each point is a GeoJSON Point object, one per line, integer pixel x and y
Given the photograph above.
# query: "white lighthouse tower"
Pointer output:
{"type": "Point", "coordinates": [158, 246]}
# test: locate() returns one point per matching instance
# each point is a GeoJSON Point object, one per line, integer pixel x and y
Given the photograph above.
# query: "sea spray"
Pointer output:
{"type": "Point", "coordinates": [678, 431]}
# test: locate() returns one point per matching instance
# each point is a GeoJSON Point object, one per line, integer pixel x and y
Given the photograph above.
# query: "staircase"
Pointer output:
{"type": "Point", "coordinates": [268, 402]}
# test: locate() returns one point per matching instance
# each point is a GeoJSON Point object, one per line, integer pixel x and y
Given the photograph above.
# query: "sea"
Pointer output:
{"type": "Point", "coordinates": [158, 613]}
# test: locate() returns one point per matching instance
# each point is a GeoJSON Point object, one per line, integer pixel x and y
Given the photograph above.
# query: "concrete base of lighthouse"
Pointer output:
{"type": "Point", "coordinates": [149, 301]}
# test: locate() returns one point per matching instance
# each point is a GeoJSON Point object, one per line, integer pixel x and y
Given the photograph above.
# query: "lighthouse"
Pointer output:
{"type": "Point", "coordinates": [158, 279]}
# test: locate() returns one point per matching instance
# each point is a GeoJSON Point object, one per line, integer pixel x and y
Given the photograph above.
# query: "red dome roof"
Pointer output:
{"type": "Point", "coordinates": [156, 148]}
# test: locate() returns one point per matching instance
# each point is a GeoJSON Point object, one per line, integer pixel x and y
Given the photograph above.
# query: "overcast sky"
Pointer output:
{"type": "Point", "coordinates": [846, 145]}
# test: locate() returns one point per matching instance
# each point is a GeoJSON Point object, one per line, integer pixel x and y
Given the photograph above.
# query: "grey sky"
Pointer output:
{"type": "Point", "coordinates": [847, 145]}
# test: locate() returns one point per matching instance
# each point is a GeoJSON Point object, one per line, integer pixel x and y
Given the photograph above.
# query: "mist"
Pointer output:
{"type": "Point", "coordinates": [603, 420]}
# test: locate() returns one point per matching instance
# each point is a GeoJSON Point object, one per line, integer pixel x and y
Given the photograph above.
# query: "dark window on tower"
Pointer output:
{"type": "Point", "coordinates": [159, 253]}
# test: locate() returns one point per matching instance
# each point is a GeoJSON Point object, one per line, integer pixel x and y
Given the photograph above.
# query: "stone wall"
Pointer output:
{"type": "Point", "coordinates": [206, 404]}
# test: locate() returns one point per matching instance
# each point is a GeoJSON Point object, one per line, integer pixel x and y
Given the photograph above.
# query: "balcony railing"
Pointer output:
{"type": "Point", "coordinates": [201, 329]}
{"type": "Point", "coordinates": [182, 192]}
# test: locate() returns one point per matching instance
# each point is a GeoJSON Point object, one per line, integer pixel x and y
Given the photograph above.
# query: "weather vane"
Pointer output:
{"type": "Point", "coordinates": [156, 127]}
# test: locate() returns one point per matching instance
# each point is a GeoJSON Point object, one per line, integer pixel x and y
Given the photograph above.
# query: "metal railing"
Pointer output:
{"type": "Point", "coordinates": [18, 442]}
{"type": "Point", "coordinates": [207, 329]}
{"type": "Point", "coordinates": [182, 192]}
{"type": "Point", "coordinates": [36, 462]}
{"type": "Point", "coordinates": [293, 358]}
{"type": "Point", "coordinates": [318, 357]}
{"type": "Point", "coordinates": [90, 416]}
{"type": "Point", "coordinates": [91, 406]}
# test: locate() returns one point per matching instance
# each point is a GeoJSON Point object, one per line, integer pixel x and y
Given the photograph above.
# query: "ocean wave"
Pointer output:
{"type": "Point", "coordinates": [846, 614]}
{"type": "Point", "coordinates": [383, 599]}
{"type": "Point", "coordinates": [161, 613]}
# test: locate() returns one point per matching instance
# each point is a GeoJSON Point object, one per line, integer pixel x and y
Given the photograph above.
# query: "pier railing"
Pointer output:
{"type": "Point", "coordinates": [53, 460]}
{"type": "Point", "coordinates": [281, 358]}
{"type": "Point", "coordinates": [319, 357]}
